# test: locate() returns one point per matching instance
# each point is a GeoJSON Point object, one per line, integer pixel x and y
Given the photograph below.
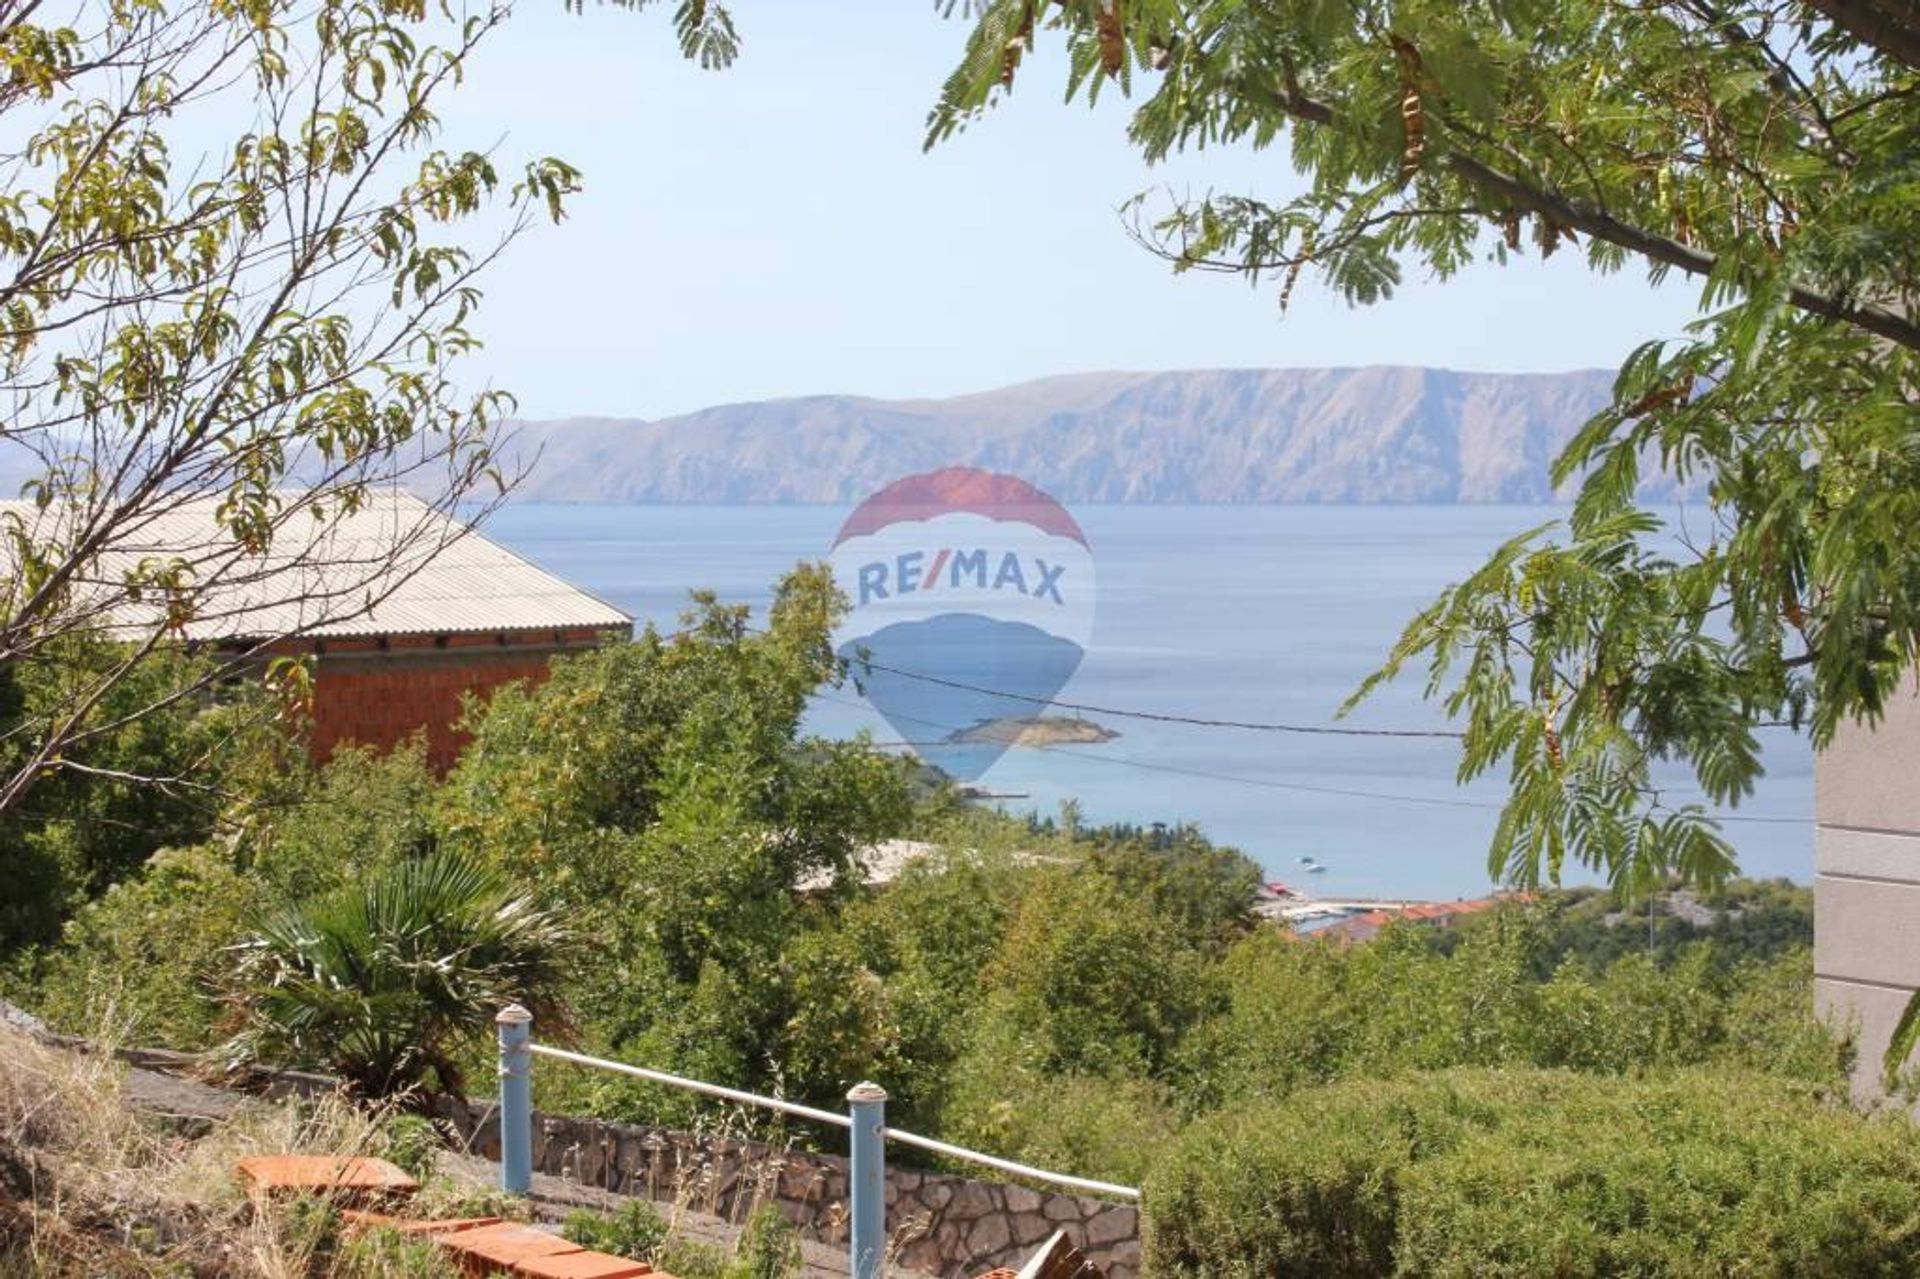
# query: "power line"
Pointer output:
{"type": "Point", "coordinates": [1321, 730]}
{"type": "Point", "coordinates": [1159, 717]}
{"type": "Point", "coordinates": [1163, 717]}
{"type": "Point", "coordinates": [1265, 783]}
{"type": "Point", "coordinates": [1200, 722]}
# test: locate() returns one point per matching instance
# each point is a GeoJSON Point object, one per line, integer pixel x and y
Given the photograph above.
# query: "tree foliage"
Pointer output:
{"type": "Point", "coordinates": [238, 275]}
{"type": "Point", "coordinates": [1528, 1172]}
{"type": "Point", "coordinates": [157, 779]}
{"type": "Point", "coordinates": [1765, 148]}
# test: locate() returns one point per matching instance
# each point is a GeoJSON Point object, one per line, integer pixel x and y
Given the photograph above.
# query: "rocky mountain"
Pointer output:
{"type": "Point", "coordinates": [1377, 434]}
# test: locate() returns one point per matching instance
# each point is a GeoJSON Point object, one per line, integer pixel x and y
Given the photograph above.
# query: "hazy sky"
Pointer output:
{"type": "Point", "coordinates": [775, 230]}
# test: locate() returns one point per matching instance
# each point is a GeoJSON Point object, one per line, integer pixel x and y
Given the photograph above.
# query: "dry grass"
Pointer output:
{"type": "Point", "coordinates": [89, 1186]}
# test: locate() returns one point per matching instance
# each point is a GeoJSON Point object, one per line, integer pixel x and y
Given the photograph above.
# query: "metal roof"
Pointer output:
{"type": "Point", "coordinates": [395, 566]}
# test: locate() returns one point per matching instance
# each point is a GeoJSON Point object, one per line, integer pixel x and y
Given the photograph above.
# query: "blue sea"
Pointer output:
{"type": "Point", "coordinates": [1269, 614]}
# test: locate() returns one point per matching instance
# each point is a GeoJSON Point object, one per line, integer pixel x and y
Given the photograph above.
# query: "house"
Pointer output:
{"type": "Point", "coordinates": [1366, 925]}
{"type": "Point", "coordinates": [1866, 880]}
{"type": "Point", "coordinates": [402, 609]}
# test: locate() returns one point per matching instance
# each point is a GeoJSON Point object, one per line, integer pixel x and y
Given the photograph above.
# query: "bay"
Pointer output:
{"type": "Point", "coordinates": [1271, 614]}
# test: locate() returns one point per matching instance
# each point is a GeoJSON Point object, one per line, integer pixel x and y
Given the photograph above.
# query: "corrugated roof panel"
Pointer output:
{"type": "Point", "coordinates": [428, 574]}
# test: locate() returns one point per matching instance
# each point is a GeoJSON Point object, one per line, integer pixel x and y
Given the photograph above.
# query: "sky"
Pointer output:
{"type": "Point", "coordinates": [775, 229]}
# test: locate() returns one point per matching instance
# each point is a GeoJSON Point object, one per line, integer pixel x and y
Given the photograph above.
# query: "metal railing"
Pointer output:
{"type": "Point", "coordinates": [865, 1121]}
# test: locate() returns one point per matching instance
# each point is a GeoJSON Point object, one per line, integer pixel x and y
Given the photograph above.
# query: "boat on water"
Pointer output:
{"type": "Point", "coordinates": [1316, 869]}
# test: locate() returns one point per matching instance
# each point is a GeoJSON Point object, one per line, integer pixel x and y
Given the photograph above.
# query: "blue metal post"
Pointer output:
{"type": "Point", "coordinates": [867, 1104]}
{"type": "Point", "coordinates": [516, 1099]}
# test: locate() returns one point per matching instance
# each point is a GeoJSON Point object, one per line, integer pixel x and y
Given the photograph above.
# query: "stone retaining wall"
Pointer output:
{"type": "Point", "coordinates": [952, 1227]}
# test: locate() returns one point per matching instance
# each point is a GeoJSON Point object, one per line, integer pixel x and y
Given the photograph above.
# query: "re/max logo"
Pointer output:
{"type": "Point", "coordinates": [950, 569]}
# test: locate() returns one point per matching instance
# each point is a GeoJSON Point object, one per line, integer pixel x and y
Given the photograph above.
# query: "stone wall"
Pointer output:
{"type": "Point", "coordinates": [937, 1223]}
{"type": "Point", "coordinates": [1866, 888]}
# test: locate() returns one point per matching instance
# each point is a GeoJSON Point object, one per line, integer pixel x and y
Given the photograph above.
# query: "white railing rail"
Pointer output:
{"type": "Point", "coordinates": [694, 1085]}
{"type": "Point", "coordinates": [865, 1120]}
{"type": "Point", "coordinates": [1007, 1165]}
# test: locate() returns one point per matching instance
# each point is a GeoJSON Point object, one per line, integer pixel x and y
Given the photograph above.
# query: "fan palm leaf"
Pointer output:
{"type": "Point", "coordinates": [385, 982]}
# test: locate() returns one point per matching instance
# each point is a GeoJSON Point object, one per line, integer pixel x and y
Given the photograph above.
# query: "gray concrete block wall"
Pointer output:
{"type": "Point", "coordinates": [1866, 948]}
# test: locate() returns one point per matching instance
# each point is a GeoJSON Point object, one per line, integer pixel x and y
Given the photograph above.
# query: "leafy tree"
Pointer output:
{"type": "Point", "coordinates": [307, 831]}
{"type": "Point", "coordinates": [665, 792]}
{"type": "Point", "coordinates": [1749, 920]}
{"type": "Point", "coordinates": [387, 981]}
{"type": "Point", "coordinates": [213, 347]}
{"type": "Point", "coordinates": [1094, 980]}
{"type": "Point", "coordinates": [1299, 1015]}
{"type": "Point", "coordinates": [1765, 148]}
{"type": "Point", "coordinates": [155, 780]}
{"type": "Point", "coordinates": [1207, 891]}
{"type": "Point", "coordinates": [147, 957]}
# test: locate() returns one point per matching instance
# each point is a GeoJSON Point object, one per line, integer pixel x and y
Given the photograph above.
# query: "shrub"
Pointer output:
{"type": "Point", "coordinates": [1095, 980]}
{"type": "Point", "coordinates": [144, 953]}
{"type": "Point", "coordinates": [388, 1254]}
{"type": "Point", "coordinates": [637, 1232]}
{"type": "Point", "coordinates": [689, 1259]}
{"type": "Point", "coordinates": [768, 1247]}
{"type": "Point", "coordinates": [1299, 1015]}
{"type": "Point", "coordinates": [320, 829]}
{"type": "Point", "coordinates": [412, 1145]}
{"type": "Point", "coordinates": [1529, 1172]}
{"type": "Point", "coordinates": [387, 982]}
{"type": "Point", "coordinates": [1089, 1124]}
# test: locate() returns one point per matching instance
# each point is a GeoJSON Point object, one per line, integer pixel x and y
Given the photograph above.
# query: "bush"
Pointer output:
{"type": "Point", "coordinates": [637, 1232]}
{"type": "Point", "coordinates": [413, 1145]}
{"type": "Point", "coordinates": [388, 1254]}
{"type": "Point", "coordinates": [387, 983]}
{"type": "Point", "coordinates": [144, 954]}
{"type": "Point", "coordinates": [769, 1246]}
{"type": "Point", "coordinates": [1094, 979]}
{"type": "Point", "coordinates": [1112, 1128]}
{"type": "Point", "coordinates": [1299, 1015]}
{"type": "Point", "coordinates": [1528, 1172]}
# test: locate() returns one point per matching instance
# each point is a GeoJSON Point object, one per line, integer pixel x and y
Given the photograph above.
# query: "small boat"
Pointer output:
{"type": "Point", "coordinates": [1316, 869]}
{"type": "Point", "coordinates": [1308, 861]}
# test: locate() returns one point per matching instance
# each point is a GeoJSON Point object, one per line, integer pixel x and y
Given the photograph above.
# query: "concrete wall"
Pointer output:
{"type": "Point", "coordinates": [1866, 949]}
{"type": "Point", "coordinates": [937, 1223]}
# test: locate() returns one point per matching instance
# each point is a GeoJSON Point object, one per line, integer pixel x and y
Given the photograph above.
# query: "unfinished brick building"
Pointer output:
{"type": "Point", "coordinates": [469, 619]}
{"type": "Point", "coordinates": [402, 609]}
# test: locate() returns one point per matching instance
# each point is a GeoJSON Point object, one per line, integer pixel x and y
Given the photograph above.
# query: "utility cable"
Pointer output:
{"type": "Point", "coordinates": [1265, 783]}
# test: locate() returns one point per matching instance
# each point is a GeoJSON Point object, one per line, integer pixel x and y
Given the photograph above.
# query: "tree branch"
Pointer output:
{"type": "Point", "coordinates": [1876, 24]}
{"type": "Point", "coordinates": [1581, 216]}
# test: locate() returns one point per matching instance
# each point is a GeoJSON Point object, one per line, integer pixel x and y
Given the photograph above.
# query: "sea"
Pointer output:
{"type": "Point", "coordinates": [1270, 614]}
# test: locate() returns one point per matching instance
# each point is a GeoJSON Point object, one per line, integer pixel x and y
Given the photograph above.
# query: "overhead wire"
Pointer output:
{"type": "Point", "coordinates": [1266, 783]}
{"type": "Point", "coordinates": [1206, 722]}
{"type": "Point", "coordinates": [1196, 721]}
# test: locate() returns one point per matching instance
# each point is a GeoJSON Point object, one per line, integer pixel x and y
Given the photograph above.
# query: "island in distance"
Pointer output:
{"type": "Point", "coordinates": [1363, 435]}
{"type": "Point", "coordinates": [1032, 730]}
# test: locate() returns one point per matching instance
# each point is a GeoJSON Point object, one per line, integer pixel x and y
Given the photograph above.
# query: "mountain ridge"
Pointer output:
{"type": "Point", "coordinates": [1361, 434]}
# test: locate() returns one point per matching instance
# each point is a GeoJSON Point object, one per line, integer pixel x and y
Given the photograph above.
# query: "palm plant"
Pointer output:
{"type": "Point", "coordinates": [386, 982]}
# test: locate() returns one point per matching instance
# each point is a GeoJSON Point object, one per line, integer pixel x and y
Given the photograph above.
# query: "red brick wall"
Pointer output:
{"type": "Point", "coordinates": [381, 694]}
